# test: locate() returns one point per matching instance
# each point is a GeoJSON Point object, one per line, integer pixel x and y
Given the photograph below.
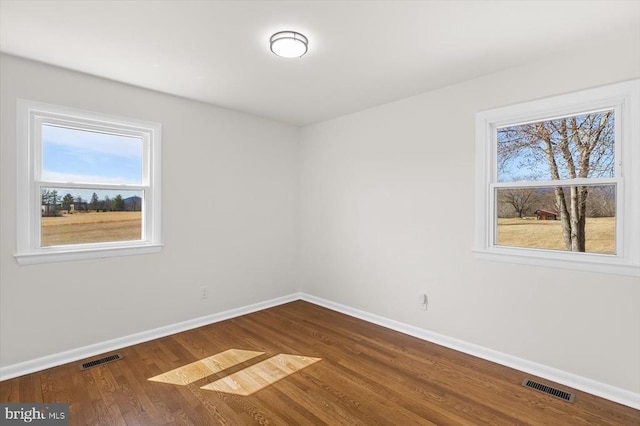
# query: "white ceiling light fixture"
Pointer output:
{"type": "Point", "coordinates": [289, 44]}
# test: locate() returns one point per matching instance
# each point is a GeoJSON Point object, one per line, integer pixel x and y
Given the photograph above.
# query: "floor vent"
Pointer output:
{"type": "Point", "coordinates": [100, 361]}
{"type": "Point", "coordinates": [551, 391]}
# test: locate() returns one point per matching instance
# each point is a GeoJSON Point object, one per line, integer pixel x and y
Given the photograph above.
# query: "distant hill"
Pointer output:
{"type": "Point", "coordinates": [133, 204]}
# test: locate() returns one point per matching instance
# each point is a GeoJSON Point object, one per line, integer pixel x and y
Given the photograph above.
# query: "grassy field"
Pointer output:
{"type": "Point", "coordinates": [547, 234]}
{"type": "Point", "coordinates": [92, 227]}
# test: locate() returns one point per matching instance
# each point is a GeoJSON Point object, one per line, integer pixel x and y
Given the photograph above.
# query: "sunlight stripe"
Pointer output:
{"type": "Point", "coordinates": [205, 367]}
{"type": "Point", "coordinates": [258, 376]}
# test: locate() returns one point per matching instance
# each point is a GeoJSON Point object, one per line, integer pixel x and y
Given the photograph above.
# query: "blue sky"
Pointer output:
{"type": "Point", "coordinates": [70, 155]}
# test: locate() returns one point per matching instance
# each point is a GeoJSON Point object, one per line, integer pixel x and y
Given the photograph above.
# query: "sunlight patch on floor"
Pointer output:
{"type": "Point", "coordinates": [258, 376]}
{"type": "Point", "coordinates": [205, 367]}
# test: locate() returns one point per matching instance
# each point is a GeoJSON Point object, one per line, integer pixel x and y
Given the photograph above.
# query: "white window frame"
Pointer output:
{"type": "Point", "coordinates": [31, 116]}
{"type": "Point", "coordinates": [625, 99]}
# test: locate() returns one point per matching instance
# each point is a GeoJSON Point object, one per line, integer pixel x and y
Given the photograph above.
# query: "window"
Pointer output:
{"type": "Point", "coordinates": [558, 181]}
{"type": "Point", "coordinates": [88, 185]}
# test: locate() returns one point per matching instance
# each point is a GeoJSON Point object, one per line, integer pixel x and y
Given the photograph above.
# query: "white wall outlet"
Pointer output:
{"type": "Point", "coordinates": [423, 300]}
{"type": "Point", "coordinates": [203, 292]}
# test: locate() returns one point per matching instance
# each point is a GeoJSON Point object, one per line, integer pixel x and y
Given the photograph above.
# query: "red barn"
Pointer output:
{"type": "Point", "coordinates": [546, 215]}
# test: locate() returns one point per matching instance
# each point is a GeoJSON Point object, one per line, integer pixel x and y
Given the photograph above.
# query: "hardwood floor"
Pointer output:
{"type": "Point", "coordinates": [366, 375]}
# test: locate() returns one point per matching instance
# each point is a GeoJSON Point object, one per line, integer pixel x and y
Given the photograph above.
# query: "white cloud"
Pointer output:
{"type": "Point", "coordinates": [93, 142]}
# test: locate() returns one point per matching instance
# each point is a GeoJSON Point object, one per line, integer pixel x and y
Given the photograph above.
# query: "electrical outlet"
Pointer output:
{"type": "Point", "coordinates": [423, 300]}
{"type": "Point", "coordinates": [203, 292]}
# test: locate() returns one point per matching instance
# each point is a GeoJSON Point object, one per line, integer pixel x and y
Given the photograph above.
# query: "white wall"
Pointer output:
{"type": "Point", "coordinates": [387, 212]}
{"type": "Point", "coordinates": [229, 221]}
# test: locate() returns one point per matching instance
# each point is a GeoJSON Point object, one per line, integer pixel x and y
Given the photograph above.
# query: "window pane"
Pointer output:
{"type": "Point", "coordinates": [530, 218]}
{"type": "Point", "coordinates": [565, 148]}
{"type": "Point", "coordinates": [80, 156]}
{"type": "Point", "coordinates": [82, 216]}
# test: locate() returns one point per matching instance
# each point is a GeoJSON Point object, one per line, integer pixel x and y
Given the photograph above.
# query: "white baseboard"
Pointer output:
{"type": "Point", "coordinates": [593, 387]}
{"type": "Point", "coordinates": [72, 355]}
{"type": "Point", "coordinates": [584, 384]}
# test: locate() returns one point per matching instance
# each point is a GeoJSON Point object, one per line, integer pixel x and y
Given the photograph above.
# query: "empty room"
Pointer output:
{"type": "Point", "coordinates": [320, 212]}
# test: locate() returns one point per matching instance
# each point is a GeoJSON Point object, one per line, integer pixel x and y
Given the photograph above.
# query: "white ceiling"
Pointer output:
{"type": "Point", "coordinates": [361, 53]}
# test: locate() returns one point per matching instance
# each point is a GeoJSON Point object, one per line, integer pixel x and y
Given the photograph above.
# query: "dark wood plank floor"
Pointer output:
{"type": "Point", "coordinates": [368, 375]}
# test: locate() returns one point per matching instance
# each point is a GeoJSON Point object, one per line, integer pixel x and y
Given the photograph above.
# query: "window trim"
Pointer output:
{"type": "Point", "coordinates": [625, 98]}
{"type": "Point", "coordinates": [31, 115]}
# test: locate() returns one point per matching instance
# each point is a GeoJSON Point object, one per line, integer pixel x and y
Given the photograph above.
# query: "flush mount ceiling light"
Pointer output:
{"type": "Point", "coordinates": [289, 44]}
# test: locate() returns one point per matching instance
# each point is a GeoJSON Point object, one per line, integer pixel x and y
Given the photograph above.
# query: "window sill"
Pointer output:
{"type": "Point", "coordinates": [83, 254]}
{"type": "Point", "coordinates": [580, 262]}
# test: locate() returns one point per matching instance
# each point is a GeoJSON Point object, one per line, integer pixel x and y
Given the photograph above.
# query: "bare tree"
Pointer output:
{"type": "Point", "coordinates": [94, 203]}
{"type": "Point", "coordinates": [601, 201]}
{"type": "Point", "coordinates": [521, 199]}
{"type": "Point", "coordinates": [81, 204]}
{"type": "Point", "coordinates": [571, 147]}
